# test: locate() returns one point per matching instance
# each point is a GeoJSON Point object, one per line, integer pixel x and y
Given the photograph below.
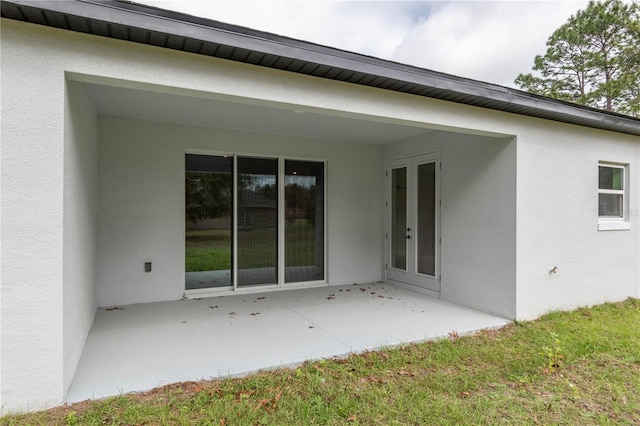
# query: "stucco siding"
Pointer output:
{"type": "Point", "coordinates": [142, 203]}
{"type": "Point", "coordinates": [80, 223]}
{"type": "Point", "coordinates": [558, 220]}
{"type": "Point", "coordinates": [32, 224]}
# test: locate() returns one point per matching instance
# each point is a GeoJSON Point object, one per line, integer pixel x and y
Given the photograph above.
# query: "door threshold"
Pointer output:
{"type": "Point", "coordinates": [415, 288]}
{"type": "Point", "coordinates": [228, 291]}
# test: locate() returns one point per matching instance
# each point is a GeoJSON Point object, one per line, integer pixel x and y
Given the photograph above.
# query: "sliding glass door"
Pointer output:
{"type": "Point", "coordinates": [208, 221]}
{"type": "Point", "coordinates": [253, 221]}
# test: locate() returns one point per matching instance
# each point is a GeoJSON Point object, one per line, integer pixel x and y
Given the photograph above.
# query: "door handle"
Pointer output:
{"type": "Point", "coordinates": [408, 237]}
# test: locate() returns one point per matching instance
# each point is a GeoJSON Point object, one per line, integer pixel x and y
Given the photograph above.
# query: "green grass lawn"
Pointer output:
{"type": "Point", "coordinates": [576, 368]}
{"type": "Point", "coordinates": [210, 250]}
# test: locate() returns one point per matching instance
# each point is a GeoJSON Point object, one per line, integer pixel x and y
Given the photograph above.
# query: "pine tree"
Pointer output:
{"type": "Point", "coordinates": [593, 59]}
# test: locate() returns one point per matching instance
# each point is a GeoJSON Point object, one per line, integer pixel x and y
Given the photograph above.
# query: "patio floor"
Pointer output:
{"type": "Point", "coordinates": [139, 347]}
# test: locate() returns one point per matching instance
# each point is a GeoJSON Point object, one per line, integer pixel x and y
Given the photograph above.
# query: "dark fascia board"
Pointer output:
{"type": "Point", "coordinates": [442, 86]}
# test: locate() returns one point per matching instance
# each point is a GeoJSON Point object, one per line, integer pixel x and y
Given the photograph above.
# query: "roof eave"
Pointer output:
{"type": "Point", "coordinates": [386, 74]}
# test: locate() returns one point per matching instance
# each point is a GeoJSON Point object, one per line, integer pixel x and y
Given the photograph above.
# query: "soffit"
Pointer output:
{"type": "Point", "coordinates": [158, 27]}
{"type": "Point", "coordinates": [156, 106]}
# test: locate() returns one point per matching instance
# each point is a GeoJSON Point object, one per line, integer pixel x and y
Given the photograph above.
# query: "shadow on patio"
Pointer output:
{"type": "Point", "coordinates": [138, 347]}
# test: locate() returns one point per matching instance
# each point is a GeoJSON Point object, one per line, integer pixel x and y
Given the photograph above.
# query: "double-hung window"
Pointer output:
{"type": "Point", "coordinates": [612, 197]}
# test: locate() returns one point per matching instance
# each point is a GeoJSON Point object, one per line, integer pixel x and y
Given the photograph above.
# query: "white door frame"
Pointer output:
{"type": "Point", "coordinates": [410, 275]}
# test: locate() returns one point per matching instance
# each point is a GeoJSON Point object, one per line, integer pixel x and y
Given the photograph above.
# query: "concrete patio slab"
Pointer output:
{"type": "Point", "coordinates": [139, 347]}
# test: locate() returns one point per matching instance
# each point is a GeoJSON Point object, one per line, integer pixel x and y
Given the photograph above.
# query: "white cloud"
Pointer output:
{"type": "Point", "coordinates": [370, 27]}
{"type": "Point", "coordinates": [488, 41]}
{"type": "Point", "coordinates": [482, 40]}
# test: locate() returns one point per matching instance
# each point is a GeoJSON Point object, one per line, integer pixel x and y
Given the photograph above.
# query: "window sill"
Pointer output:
{"type": "Point", "coordinates": [605, 225]}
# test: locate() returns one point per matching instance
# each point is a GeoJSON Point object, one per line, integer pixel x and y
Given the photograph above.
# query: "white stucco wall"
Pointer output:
{"type": "Point", "coordinates": [478, 217]}
{"type": "Point", "coordinates": [556, 166]}
{"type": "Point", "coordinates": [32, 218]}
{"type": "Point", "coordinates": [142, 203]}
{"type": "Point", "coordinates": [80, 224]}
{"type": "Point", "coordinates": [558, 224]}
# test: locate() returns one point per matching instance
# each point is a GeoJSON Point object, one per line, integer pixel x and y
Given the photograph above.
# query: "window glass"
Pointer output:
{"type": "Point", "coordinates": [257, 219]}
{"type": "Point", "coordinates": [304, 221]}
{"type": "Point", "coordinates": [611, 191]}
{"type": "Point", "coordinates": [399, 218]}
{"type": "Point", "coordinates": [610, 205]}
{"type": "Point", "coordinates": [208, 221]}
{"type": "Point", "coordinates": [611, 178]}
{"type": "Point", "coordinates": [426, 220]}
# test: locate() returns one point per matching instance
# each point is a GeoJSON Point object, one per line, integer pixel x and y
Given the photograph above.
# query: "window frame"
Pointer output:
{"type": "Point", "coordinates": [615, 223]}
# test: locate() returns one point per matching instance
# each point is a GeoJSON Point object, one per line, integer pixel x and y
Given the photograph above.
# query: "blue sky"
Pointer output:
{"type": "Point", "coordinates": [490, 41]}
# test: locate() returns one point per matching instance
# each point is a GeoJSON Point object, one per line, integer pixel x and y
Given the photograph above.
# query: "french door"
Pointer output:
{"type": "Point", "coordinates": [253, 221]}
{"type": "Point", "coordinates": [413, 212]}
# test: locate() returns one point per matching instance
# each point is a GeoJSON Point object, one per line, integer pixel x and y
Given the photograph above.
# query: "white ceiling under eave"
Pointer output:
{"type": "Point", "coordinates": [278, 120]}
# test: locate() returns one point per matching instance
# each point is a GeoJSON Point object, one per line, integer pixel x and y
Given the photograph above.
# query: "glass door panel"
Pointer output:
{"type": "Point", "coordinates": [426, 219]}
{"type": "Point", "coordinates": [399, 218]}
{"type": "Point", "coordinates": [208, 221]}
{"type": "Point", "coordinates": [304, 221]}
{"type": "Point", "coordinates": [257, 221]}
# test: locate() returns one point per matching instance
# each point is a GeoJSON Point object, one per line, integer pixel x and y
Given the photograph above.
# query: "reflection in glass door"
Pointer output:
{"type": "Point", "coordinates": [304, 221]}
{"type": "Point", "coordinates": [399, 232]}
{"type": "Point", "coordinates": [253, 221]}
{"type": "Point", "coordinates": [208, 221]}
{"type": "Point", "coordinates": [257, 221]}
{"type": "Point", "coordinates": [426, 218]}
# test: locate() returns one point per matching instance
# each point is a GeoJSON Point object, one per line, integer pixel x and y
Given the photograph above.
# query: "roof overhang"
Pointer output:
{"type": "Point", "coordinates": [148, 25]}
